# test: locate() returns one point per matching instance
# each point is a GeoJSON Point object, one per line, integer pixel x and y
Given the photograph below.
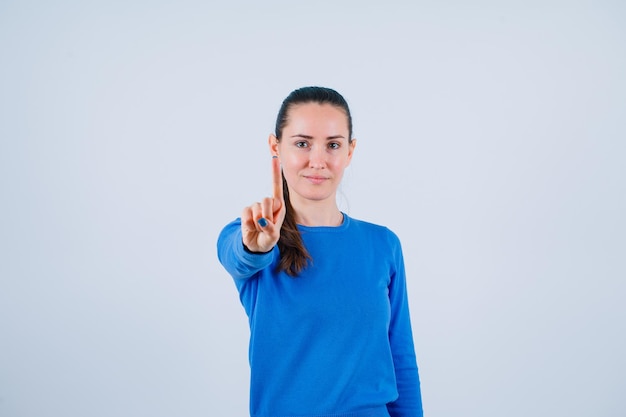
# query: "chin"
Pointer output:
{"type": "Point", "coordinates": [315, 196]}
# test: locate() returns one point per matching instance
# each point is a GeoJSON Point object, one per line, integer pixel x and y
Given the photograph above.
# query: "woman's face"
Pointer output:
{"type": "Point", "coordinates": [314, 151]}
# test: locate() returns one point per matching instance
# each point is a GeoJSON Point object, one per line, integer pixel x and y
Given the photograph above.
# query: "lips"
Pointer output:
{"type": "Point", "coordinates": [315, 179]}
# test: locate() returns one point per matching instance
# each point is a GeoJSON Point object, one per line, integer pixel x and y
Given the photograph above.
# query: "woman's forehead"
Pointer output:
{"type": "Point", "coordinates": [316, 119]}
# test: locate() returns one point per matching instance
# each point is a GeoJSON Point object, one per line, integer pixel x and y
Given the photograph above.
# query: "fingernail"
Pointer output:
{"type": "Point", "coordinates": [262, 222]}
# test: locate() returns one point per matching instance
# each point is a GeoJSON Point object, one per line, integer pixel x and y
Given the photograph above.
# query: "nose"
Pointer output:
{"type": "Point", "coordinates": [317, 158]}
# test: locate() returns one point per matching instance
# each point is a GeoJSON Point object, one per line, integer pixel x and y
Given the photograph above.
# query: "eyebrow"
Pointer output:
{"type": "Point", "coordinates": [311, 137]}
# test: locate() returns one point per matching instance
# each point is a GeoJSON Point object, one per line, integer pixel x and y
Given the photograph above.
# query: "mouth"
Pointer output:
{"type": "Point", "coordinates": [315, 179]}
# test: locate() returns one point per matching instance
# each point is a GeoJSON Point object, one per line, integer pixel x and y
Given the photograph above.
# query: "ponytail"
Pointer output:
{"type": "Point", "coordinates": [293, 255]}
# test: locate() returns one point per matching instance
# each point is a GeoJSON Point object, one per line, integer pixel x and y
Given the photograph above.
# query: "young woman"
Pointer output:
{"type": "Point", "coordinates": [325, 294]}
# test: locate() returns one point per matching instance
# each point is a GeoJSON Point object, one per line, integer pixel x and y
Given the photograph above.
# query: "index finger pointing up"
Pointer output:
{"type": "Point", "coordinates": [277, 178]}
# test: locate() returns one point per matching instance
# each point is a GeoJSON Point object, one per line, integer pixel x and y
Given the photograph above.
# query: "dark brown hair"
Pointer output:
{"type": "Point", "coordinates": [293, 255]}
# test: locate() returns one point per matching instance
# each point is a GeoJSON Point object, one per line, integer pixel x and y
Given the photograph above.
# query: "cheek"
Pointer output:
{"type": "Point", "coordinates": [292, 161]}
{"type": "Point", "coordinates": [339, 163]}
{"type": "Point", "coordinates": [290, 167]}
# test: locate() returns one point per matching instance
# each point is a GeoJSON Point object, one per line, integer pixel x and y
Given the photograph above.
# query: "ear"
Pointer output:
{"type": "Point", "coordinates": [273, 144]}
{"type": "Point", "coordinates": [351, 147]}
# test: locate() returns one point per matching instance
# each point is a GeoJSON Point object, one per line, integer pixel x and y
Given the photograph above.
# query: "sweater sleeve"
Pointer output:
{"type": "Point", "coordinates": [409, 401]}
{"type": "Point", "coordinates": [239, 262]}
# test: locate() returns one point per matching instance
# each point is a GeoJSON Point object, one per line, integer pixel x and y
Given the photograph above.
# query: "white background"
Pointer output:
{"type": "Point", "coordinates": [491, 139]}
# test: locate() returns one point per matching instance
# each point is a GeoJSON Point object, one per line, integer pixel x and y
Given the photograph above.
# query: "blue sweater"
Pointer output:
{"type": "Point", "coordinates": [335, 341]}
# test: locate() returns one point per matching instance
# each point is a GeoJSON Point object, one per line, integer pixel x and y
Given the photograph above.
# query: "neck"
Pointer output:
{"type": "Point", "coordinates": [319, 213]}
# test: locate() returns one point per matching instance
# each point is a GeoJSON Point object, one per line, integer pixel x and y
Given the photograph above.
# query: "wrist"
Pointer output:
{"type": "Point", "coordinates": [247, 249]}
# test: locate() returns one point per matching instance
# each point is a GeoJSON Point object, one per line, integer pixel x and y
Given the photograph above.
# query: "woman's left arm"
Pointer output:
{"type": "Point", "coordinates": [409, 401]}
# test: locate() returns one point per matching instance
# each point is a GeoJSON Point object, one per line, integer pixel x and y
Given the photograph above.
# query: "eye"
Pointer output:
{"type": "Point", "coordinates": [334, 145]}
{"type": "Point", "coordinates": [302, 144]}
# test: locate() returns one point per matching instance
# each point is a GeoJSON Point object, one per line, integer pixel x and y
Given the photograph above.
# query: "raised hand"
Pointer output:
{"type": "Point", "coordinates": [261, 222]}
